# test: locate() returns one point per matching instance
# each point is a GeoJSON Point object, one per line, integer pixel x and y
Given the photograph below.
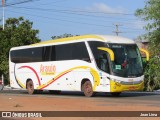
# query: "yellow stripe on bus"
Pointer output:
{"type": "Point", "coordinates": [69, 39]}
{"type": "Point", "coordinates": [111, 53]}
{"type": "Point", "coordinates": [92, 71]}
{"type": "Point", "coordinates": [21, 84]}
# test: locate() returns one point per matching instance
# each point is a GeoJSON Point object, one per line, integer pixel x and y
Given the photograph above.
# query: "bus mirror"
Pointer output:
{"type": "Point", "coordinates": [111, 53]}
{"type": "Point", "coordinates": [146, 52]}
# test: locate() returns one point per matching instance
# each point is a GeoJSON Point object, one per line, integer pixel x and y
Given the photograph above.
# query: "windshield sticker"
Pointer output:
{"type": "Point", "coordinates": [118, 67]}
{"type": "Point", "coordinates": [116, 46]}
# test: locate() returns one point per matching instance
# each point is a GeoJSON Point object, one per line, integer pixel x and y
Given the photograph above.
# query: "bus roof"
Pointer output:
{"type": "Point", "coordinates": [103, 38]}
{"type": "Point", "coordinates": [71, 39]}
{"type": "Point", "coordinates": [116, 39]}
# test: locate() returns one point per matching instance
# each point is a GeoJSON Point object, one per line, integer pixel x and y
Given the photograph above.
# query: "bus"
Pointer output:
{"type": "Point", "coordinates": [88, 63]}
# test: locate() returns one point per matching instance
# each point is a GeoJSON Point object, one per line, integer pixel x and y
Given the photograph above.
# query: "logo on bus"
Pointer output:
{"type": "Point", "coordinates": [47, 69]}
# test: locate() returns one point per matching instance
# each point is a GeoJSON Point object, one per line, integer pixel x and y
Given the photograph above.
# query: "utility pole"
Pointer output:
{"type": "Point", "coordinates": [117, 30]}
{"type": "Point", "coordinates": [3, 7]}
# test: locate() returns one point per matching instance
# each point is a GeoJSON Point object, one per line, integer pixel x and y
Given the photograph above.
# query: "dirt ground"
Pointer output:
{"type": "Point", "coordinates": [60, 103]}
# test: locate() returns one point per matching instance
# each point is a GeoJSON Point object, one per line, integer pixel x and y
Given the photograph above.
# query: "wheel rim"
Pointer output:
{"type": "Point", "coordinates": [30, 87]}
{"type": "Point", "coordinates": [88, 89]}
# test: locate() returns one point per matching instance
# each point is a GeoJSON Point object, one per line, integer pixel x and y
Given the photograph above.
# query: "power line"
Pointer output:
{"type": "Point", "coordinates": [49, 18]}
{"type": "Point", "coordinates": [65, 20]}
{"type": "Point", "coordinates": [68, 12]}
{"type": "Point", "coordinates": [73, 11]}
{"type": "Point", "coordinates": [53, 2]}
{"type": "Point", "coordinates": [71, 21]}
{"type": "Point", "coordinates": [62, 11]}
{"type": "Point", "coordinates": [94, 16]}
{"type": "Point", "coordinates": [85, 13]}
{"type": "Point", "coordinates": [91, 11]}
{"type": "Point", "coordinates": [16, 3]}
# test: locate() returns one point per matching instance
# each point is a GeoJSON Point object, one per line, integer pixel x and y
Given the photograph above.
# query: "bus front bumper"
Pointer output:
{"type": "Point", "coordinates": [118, 87]}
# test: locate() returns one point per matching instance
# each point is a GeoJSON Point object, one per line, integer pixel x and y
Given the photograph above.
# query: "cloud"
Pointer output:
{"type": "Point", "coordinates": [101, 7]}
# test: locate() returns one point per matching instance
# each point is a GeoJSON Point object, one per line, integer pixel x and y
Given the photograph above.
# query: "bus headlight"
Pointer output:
{"type": "Point", "coordinates": [117, 82]}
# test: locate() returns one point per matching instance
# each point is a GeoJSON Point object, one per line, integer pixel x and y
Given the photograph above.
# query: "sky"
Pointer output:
{"type": "Point", "coordinates": [79, 17]}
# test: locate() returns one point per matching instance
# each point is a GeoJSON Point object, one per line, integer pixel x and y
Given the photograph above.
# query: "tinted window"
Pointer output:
{"type": "Point", "coordinates": [63, 52]}
{"type": "Point", "coordinates": [79, 51]}
{"type": "Point", "coordinates": [46, 53]}
{"type": "Point", "coordinates": [51, 53]}
{"type": "Point", "coordinates": [72, 51]}
{"type": "Point", "coordinates": [26, 55]}
{"type": "Point", "coordinates": [128, 62]}
{"type": "Point", "coordinates": [101, 57]}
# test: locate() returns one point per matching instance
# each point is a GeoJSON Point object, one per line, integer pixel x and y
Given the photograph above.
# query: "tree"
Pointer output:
{"type": "Point", "coordinates": [17, 32]}
{"type": "Point", "coordinates": [63, 36]}
{"type": "Point", "coordinates": [150, 14]}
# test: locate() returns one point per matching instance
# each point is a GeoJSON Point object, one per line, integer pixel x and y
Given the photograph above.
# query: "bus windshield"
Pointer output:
{"type": "Point", "coordinates": [128, 62]}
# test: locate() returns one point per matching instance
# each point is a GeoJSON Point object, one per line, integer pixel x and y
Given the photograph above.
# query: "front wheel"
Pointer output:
{"type": "Point", "coordinates": [87, 89]}
{"type": "Point", "coordinates": [30, 87]}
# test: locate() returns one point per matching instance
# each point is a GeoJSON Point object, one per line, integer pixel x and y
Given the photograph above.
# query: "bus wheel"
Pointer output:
{"type": "Point", "coordinates": [54, 91]}
{"type": "Point", "coordinates": [115, 94]}
{"type": "Point", "coordinates": [30, 87]}
{"type": "Point", "coordinates": [87, 89]}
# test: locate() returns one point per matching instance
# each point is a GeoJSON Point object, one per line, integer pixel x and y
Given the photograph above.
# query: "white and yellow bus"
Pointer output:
{"type": "Point", "coordinates": [89, 63]}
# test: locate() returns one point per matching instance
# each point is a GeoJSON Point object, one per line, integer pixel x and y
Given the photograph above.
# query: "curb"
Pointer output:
{"type": "Point", "coordinates": [10, 88]}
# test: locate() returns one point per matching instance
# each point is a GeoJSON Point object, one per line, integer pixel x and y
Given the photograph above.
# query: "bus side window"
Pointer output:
{"type": "Point", "coordinates": [80, 52]}
{"type": "Point", "coordinates": [103, 62]}
{"type": "Point", "coordinates": [53, 53]}
{"type": "Point", "coordinates": [63, 52]}
{"type": "Point", "coordinates": [46, 53]}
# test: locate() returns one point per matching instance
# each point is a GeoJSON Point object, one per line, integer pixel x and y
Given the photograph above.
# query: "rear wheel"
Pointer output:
{"type": "Point", "coordinates": [30, 87]}
{"type": "Point", "coordinates": [87, 89]}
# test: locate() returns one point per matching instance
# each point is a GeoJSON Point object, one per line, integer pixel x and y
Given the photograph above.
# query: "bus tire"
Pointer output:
{"type": "Point", "coordinates": [115, 94]}
{"type": "Point", "coordinates": [30, 87]}
{"type": "Point", "coordinates": [87, 89]}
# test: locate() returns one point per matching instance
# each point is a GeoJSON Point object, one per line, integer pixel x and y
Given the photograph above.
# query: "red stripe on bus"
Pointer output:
{"type": "Point", "coordinates": [54, 80]}
{"type": "Point", "coordinates": [33, 71]}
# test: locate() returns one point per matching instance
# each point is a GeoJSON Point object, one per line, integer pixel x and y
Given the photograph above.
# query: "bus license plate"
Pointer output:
{"type": "Point", "coordinates": [132, 88]}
